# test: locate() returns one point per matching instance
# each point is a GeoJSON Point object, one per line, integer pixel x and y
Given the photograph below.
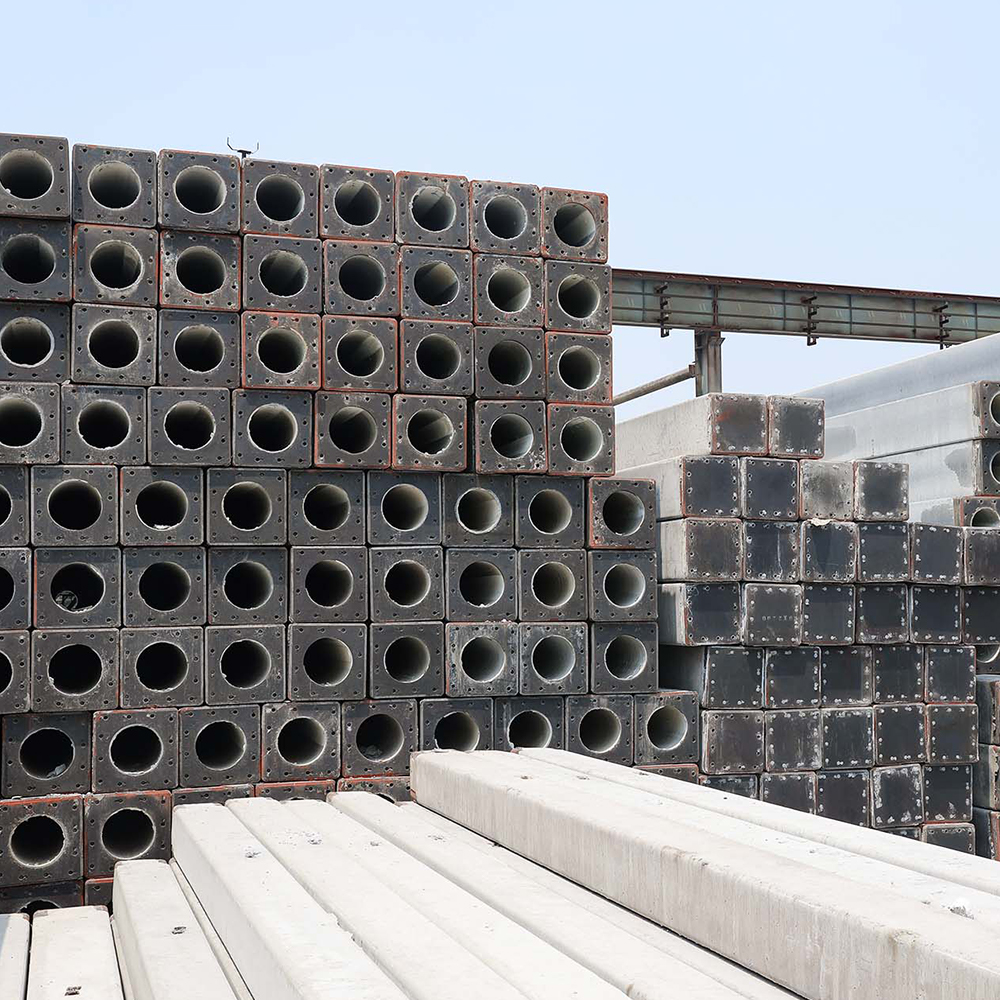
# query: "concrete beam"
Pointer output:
{"type": "Point", "coordinates": [946, 865]}
{"type": "Point", "coordinates": [222, 956]}
{"type": "Point", "coordinates": [73, 955]}
{"type": "Point", "coordinates": [15, 934]}
{"type": "Point", "coordinates": [539, 971]}
{"type": "Point", "coordinates": [286, 945]}
{"type": "Point", "coordinates": [410, 948]}
{"type": "Point", "coordinates": [877, 875]}
{"type": "Point", "coordinates": [728, 974]}
{"type": "Point", "coordinates": [805, 929]}
{"type": "Point", "coordinates": [163, 949]}
{"type": "Point", "coordinates": [609, 952]}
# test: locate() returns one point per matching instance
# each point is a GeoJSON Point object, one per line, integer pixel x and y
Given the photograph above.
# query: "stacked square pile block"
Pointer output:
{"type": "Point", "coordinates": [298, 476]}
{"type": "Point", "coordinates": [831, 644]}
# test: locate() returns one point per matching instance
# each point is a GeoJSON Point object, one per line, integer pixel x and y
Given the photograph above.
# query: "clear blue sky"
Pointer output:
{"type": "Point", "coordinates": [853, 142]}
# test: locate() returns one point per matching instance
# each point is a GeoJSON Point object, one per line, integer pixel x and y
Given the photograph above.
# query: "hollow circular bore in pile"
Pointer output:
{"type": "Point", "coordinates": [624, 585]}
{"type": "Point", "coordinates": [326, 507]}
{"type": "Point", "coordinates": [114, 185]}
{"type": "Point", "coordinates": [550, 512]}
{"type": "Point", "coordinates": [114, 344]}
{"type": "Point", "coordinates": [509, 363]}
{"type": "Point", "coordinates": [302, 741]}
{"type": "Point", "coordinates": [430, 432]}
{"type": "Point", "coordinates": [553, 658]}
{"type": "Point", "coordinates": [407, 583]}
{"type": "Point", "coordinates": [128, 833]}
{"type": "Point", "coordinates": [327, 661]}
{"type": "Point", "coordinates": [161, 505]}
{"type": "Point", "coordinates": [360, 353]}
{"type": "Point", "coordinates": [481, 584]}
{"type": "Point", "coordinates": [404, 507]}
{"type": "Point", "coordinates": [26, 174]}
{"type": "Point", "coordinates": [199, 348]}
{"type": "Point", "coordinates": [456, 731]}
{"type": "Point", "coordinates": [406, 659]}
{"type": "Point", "coordinates": [581, 439]}
{"type": "Point", "coordinates": [220, 745]}
{"type": "Point", "coordinates": [437, 357]}
{"type": "Point", "coordinates": [379, 737]}
{"type": "Point", "coordinates": [353, 430]}
{"type": "Point", "coordinates": [20, 422]}
{"type": "Point", "coordinates": [248, 585]}
{"type": "Point", "coordinates": [77, 587]}
{"type": "Point", "coordinates": [478, 510]}
{"type": "Point", "coordinates": [505, 217]}
{"type": "Point", "coordinates": [357, 203]}
{"type": "Point", "coordinates": [625, 657]}
{"type": "Point", "coordinates": [200, 190]}
{"type": "Point", "coordinates": [161, 666]}
{"type": "Point", "coordinates": [245, 663]}
{"type": "Point", "coordinates": [666, 727]}
{"type": "Point", "coordinates": [37, 841]}
{"type": "Point", "coordinates": [135, 749]}
{"type": "Point", "coordinates": [280, 198]}
{"type": "Point", "coordinates": [283, 273]}
{"type": "Point", "coordinates": [28, 259]}
{"type": "Point", "coordinates": [116, 264]}
{"type": "Point", "coordinates": [511, 436]}
{"type": "Point", "coordinates": [623, 512]}
{"type": "Point", "coordinates": [553, 584]}
{"type": "Point", "coordinates": [433, 209]}
{"type": "Point", "coordinates": [75, 669]}
{"type": "Point", "coordinates": [201, 270]}
{"type": "Point", "coordinates": [483, 659]}
{"type": "Point", "coordinates": [281, 350]}
{"type": "Point", "coordinates": [46, 753]}
{"type": "Point", "coordinates": [272, 428]}
{"type": "Point", "coordinates": [329, 583]}
{"type": "Point", "coordinates": [103, 424]}
{"type": "Point", "coordinates": [600, 730]}
{"type": "Point", "coordinates": [529, 729]}
{"type": "Point", "coordinates": [75, 505]}
{"type": "Point", "coordinates": [574, 224]}
{"type": "Point", "coordinates": [362, 277]}
{"type": "Point", "coordinates": [246, 506]}
{"type": "Point", "coordinates": [164, 586]}
{"type": "Point", "coordinates": [26, 342]}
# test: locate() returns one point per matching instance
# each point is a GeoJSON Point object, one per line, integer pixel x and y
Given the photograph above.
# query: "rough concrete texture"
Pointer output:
{"type": "Point", "coordinates": [950, 866]}
{"type": "Point", "coordinates": [161, 946]}
{"type": "Point", "coordinates": [73, 955]}
{"type": "Point", "coordinates": [15, 934]}
{"type": "Point", "coordinates": [845, 939]}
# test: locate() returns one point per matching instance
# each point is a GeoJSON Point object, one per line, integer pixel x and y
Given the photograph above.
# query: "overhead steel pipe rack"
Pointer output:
{"type": "Point", "coordinates": [711, 305]}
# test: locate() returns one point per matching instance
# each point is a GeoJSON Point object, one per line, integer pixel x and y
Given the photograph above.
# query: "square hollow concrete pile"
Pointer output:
{"type": "Point", "coordinates": [302, 468]}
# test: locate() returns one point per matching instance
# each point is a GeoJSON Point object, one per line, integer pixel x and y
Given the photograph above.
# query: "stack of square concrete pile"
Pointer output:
{"type": "Point", "coordinates": [949, 438]}
{"type": "Point", "coordinates": [986, 773]}
{"type": "Point", "coordinates": [297, 478]}
{"type": "Point", "coordinates": [829, 643]}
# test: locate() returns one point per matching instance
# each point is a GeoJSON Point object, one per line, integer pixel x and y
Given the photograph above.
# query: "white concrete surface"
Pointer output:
{"type": "Point", "coordinates": [867, 873]}
{"type": "Point", "coordinates": [802, 928]}
{"type": "Point", "coordinates": [286, 946]}
{"type": "Point", "coordinates": [15, 939]}
{"type": "Point", "coordinates": [162, 948]}
{"type": "Point", "coordinates": [609, 952]}
{"type": "Point", "coordinates": [538, 970]}
{"type": "Point", "coordinates": [222, 956]}
{"type": "Point", "coordinates": [127, 990]}
{"type": "Point", "coordinates": [967, 870]}
{"type": "Point", "coordinates": [722, 970]}
{"type": "Point", "coordinates": [398, 938]}
{"type": "Point", "coordinates": [73, 955]}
